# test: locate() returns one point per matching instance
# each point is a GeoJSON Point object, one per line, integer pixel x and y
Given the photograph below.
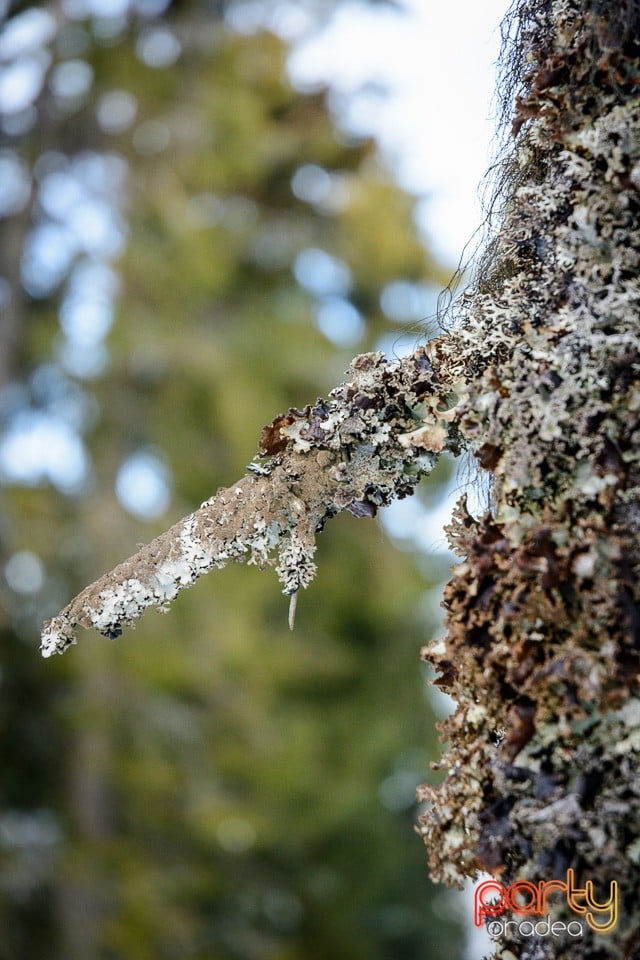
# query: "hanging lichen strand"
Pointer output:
{"type": "Point", "coordinates": [543, 648]}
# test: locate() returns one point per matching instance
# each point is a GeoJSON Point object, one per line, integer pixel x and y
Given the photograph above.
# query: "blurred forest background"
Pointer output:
{"type": "Point", "coordinates": [188, 247]}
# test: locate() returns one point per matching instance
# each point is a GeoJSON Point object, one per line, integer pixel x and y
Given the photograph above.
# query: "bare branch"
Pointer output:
{"type": "Point", "coordinates": [369, 443]}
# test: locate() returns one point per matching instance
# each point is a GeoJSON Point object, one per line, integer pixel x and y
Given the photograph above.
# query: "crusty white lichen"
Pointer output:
{"type": "Point", "coordinates": [296, 568]}
{"type": "Point", "coordinates": [357, 451]}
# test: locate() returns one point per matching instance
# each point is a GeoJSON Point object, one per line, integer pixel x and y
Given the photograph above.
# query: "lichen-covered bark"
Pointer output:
{"type": "Point", "coordinates": [542, 613]}
{"type": "Point", "coordinates": [370, 442]}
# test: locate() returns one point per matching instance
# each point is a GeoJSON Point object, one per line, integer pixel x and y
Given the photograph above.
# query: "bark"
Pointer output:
{"type": "Point", "coordinates": [540, 379]}
{"type": "Point", "coordinates": [372, 441]}
{"type": "Point", "coordinates": [542, 652]}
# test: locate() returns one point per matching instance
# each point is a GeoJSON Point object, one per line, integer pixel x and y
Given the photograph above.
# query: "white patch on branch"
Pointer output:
{"type": "Point", "coordinates": [356, 452]}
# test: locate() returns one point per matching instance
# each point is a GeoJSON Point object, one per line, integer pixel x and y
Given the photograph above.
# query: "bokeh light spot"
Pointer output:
{"type": "Point", "coordinates": [24, 572]}
{"type": "Point", "coordinates": [236, 835]}
{"type": "Point", "coordinates": [321, 274]}
{"type": "Point", "coordinates": [311, 183]}
{"type": "Point", "coordinates": [116, 111]}
{"type": "Point", "coordinates": [143, 485]}
{"type": "Point", "coordinates": [158, 47]}
{"type": "Point", "coordinates": [339, 321]}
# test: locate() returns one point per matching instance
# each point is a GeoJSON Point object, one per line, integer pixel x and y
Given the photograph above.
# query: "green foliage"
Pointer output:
{"type": "Point", "coordinates": [219, 787]}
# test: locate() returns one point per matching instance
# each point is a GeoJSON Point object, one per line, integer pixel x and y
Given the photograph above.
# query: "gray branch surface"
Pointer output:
{"type": "Point", "coordinates": [369, 443]}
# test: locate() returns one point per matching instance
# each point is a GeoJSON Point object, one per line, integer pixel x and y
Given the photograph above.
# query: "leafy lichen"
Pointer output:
{"type": "Point", "coordinates": [356, 452]}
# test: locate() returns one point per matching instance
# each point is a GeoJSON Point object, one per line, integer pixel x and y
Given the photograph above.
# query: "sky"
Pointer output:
{"type": "Point", "coordinates": [436, 125]}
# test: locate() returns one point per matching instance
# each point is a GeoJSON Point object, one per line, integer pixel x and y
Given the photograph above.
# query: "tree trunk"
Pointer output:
{"type": "Point", "coordinates": [542, 652]}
